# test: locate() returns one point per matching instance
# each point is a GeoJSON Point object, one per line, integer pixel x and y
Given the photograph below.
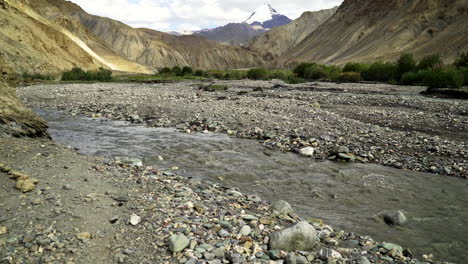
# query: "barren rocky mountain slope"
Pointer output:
{"type": "Point", "coordinates": [37, 37]}
{"type": "Point", "coordinates": [157, 49]}
{"type": "Point", "coordinates": [34, 46]}
{"type": "Point", "coordinates": [277, 41]}
{"type": "Point", "coordinates": [369, 30]}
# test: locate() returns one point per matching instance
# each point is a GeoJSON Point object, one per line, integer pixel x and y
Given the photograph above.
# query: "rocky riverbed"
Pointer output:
{"type": "Point", "coordinates": [369, 123]}
{"type": "Point", "coordinates": [87, 209]}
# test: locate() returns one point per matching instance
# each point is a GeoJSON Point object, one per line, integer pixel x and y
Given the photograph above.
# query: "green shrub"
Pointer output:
{"type": "Point", "coordinates": [300, 70]}
{"type": "Point", "coordinates": [444, 78]}
{"type": "Point", "coordinates": [186, 70]}
{"type": "Point", "coordinates": [350, 77]}
{"type": "Point", "coordinates": [464, 71]}
{"type": "Point", "coordinates": [177, 71]}
{"type": "Point", "coordinates": [36, 76]}
{"type": "Point", "coordinates": [380, 72]}
{"type": "Point", "coordinates": [279, 74]}
{"type": "Point", "coordinates": [430, 62]}
{"type": "Point", "coordinates": [237, 75]}
{"type": "Point", "coordinates": [315, 72]}
{"type": "Point", "coordinates": [413, 78]}
{"type": "Point", "coordinates": [257, 74]}
{"type": "Point", "coordinates": [217, 74]}
{"type": "Point", "coordinates": [333, 72]}
{"type": "Point", "coordinates": [199, 73]}
{"type": "Point", "coordinates": [406, 63]}
{"type": "Point", "coordinates": [165, 70]}
{"type": "Point", "coordinates": [356, 67]}
{"type": "Point", "coordinates": [77, 74]}
{"type": "Point", "coordinates": [462, 61]}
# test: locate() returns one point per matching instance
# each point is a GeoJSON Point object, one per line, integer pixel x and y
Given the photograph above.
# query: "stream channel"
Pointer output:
{"type": "Point", "coordinates": [346, 196]}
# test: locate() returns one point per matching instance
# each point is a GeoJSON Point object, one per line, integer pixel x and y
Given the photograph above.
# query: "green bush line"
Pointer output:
{"type": "Point", "coordinates": [77, 74]}
{"type": "Point", "coordinates": [429, 71]}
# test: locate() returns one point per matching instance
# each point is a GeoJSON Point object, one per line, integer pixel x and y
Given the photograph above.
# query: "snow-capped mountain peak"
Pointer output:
{"type": "Point", "coordinates": [262, 14]}
{"type": "Point", "coordinates": [266, 17]}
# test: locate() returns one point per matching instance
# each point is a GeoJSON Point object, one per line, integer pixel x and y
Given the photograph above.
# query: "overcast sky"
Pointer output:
{"type": "Point", "coordinates": [178, 15]}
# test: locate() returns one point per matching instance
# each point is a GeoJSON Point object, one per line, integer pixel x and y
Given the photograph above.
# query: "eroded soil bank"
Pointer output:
{"type": "Point", "coordinates": [382, 124]}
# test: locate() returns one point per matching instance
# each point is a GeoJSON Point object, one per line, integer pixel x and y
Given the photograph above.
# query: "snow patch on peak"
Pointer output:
{"type": "Point", "coordinates": [262, 14]}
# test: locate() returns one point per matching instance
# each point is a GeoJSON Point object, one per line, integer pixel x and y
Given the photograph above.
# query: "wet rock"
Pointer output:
{"type": "Point", "coordinates": [177, 243]}
{"type": "Point", "coordinates": [328, 253]}
{"type": "Point", "coordinates": [282, 207]}
{"type": "Point", "coordinates": [342, 149]}
{"type": "Point", "coordinates": [307, 152]}
{"type": "Point", "coordinates": [394, 217]}
{"type": "Point", "coordinates": [135, 162]}
{"type": "Point", "coordinates": [301, 236]}
{"type": "Point", "coordinates": [387, 247]}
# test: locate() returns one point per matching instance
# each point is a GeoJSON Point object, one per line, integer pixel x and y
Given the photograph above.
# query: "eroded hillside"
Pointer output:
{"type": "Point", "coordinates": [35, 44]}
{"type": "Point", "coordinates": [277, 41]}
{"type": "Point", "coordinates": [157, 49]}
{"type": "Point", "coordinates": [15, 119]}
{"type": "Point", "coordinates": [370, 30]}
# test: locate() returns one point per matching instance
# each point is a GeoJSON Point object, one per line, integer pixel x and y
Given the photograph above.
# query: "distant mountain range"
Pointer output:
{"type": "Point", "coordinates": [260, 21]}
{"type": "Point", "coordinates": [49, 36]}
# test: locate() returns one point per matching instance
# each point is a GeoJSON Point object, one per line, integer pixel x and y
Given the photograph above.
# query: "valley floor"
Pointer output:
{"type": "Point", "coordinates": [374, 123]}
{"type": "Point", "coordinates": [81, 210]}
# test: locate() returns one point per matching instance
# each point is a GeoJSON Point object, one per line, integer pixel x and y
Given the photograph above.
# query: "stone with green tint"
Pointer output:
{"type": "Point", "coordinates": [177, 243]}
{"type": "Point", "coordinates": [225, 224]}
{"type": "Point", "coordinates": [273, 254]}
{"type": "Point", "coordinates": [249, 217]}
{"type": "Point", "coordinates": [389, 259]}
{"type": "Point", "coordinates": [390, 246]}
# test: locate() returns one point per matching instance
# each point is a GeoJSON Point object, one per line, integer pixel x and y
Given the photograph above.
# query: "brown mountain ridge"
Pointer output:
{"type": "Point", "coordinates": [371, 30]}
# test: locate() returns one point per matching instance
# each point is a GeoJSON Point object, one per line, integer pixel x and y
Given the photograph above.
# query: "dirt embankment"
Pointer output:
{"type": "Point", "coordinates": [15, 119]}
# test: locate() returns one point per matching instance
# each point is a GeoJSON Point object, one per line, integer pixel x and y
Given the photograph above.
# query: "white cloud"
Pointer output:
{"type": "Point", "coordinates": [166, 15]}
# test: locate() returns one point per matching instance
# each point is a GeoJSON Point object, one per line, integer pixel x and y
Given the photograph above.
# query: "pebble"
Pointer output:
{"type": "Point", "coordinates": [83, 236]}
{"type": "Point", "coordinates": [177, 243]}
{"type": "Point", "coordinates": [307, 152]}
{"type": "Point", "coordinates": [135, 219]}
{"type": "Point", "coordinates": [245, 230]}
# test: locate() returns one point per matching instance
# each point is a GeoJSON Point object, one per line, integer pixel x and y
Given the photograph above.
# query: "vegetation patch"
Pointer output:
{"type": "Point", "coordinates": [77, 74]}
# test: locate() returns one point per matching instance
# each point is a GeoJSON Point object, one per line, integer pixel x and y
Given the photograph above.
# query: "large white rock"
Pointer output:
{"type": "Point", "coordinates": [301, 236]}
{"type": "Point", "coordinates": [308, 151]}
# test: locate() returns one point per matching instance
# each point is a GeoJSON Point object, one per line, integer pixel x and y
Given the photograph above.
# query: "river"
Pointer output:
{"type": "Point", "coordinates": [346, 196]}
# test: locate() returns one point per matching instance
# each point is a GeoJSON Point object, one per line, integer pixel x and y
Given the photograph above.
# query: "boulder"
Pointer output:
{"type": "Point", "coordinates": [393, 218]}
{"type": "Point", "coordinates": [301, 236]}
{"type": "Point", "coordinates": [282, 207]}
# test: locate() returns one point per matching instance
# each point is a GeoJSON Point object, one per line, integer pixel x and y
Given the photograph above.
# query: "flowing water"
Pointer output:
{"type": "Point", "coordinates": [346, 196]}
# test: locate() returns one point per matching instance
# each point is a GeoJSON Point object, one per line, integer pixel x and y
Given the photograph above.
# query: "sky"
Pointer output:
{"type": "Point", "coordinates": [180, 15]}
